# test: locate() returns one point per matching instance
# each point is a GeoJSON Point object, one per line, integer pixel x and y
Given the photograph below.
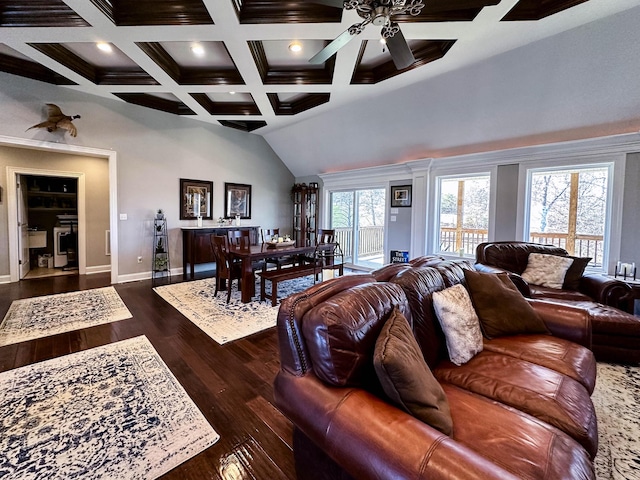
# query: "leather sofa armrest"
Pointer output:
{"type": "Point", "coordinates": [565, 321]}
{"type": "Point", "coordinates": [370, 438]}
{"type": "Point", "coordinates": [605, 290]}
{"type": "Point", "coordinates": [520, 283]}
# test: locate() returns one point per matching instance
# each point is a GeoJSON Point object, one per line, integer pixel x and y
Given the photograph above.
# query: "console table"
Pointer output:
{"type": "Point", "coordinates": [196, 245]}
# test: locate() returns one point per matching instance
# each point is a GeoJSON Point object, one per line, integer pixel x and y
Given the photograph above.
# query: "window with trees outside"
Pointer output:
{"type": "Point", "coordinates": [463, 209]}
{"type": "Point", "coordinates": [568, 208]}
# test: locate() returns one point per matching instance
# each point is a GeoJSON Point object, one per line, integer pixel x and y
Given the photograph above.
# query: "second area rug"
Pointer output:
{"type": "Point", "coordinates": [109, 412]}
{"type": "Point", "coordinates": [221, 321]}
{"type": "Point", "coordinates": [52, 314]}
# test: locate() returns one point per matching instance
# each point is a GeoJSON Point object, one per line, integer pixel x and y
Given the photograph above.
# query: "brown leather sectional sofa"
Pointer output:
{"type": "Point", "coordinates": [521, 408]}
{"type": "Point", "coordinates": [616, 333]}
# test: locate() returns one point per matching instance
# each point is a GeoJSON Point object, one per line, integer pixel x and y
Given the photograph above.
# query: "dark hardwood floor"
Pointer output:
{"type": "Point", "coordinates": [231, 384]}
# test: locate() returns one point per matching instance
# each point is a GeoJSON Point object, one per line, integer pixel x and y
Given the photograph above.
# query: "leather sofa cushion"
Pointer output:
{"type": "Point", "coordinates": [406, 378]}
{"type": "Point", "coordinates": [543, 393]}
{"type": "Point", "coordinates": [341, 332]}
{"type": "Point", "coordinates": [545, 293]}
{"type": "Point", "coordinates": [500, 306]}
{"type": "Point", "coordinates": [555, 353]}
{"type": "Point", "coordinates": [519, 443]}
{"type": "Point", "coordinates": [452, 271]}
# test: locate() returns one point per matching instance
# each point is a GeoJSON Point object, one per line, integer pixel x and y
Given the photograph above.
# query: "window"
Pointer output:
{"type": "Point", "coordinates": [463, 213]}
{"type": "Point", "coordinates": [357, 216]}
{"type": "Point", "coordinates": [568, 208]}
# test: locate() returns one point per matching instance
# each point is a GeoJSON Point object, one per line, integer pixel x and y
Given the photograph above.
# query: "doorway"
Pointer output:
{"type": "Point", "coordinates": [358, 217]}
{"type": "Point", "coordinates": [51, 217]}
{"type": "Point", "coordinates": [109, 235]}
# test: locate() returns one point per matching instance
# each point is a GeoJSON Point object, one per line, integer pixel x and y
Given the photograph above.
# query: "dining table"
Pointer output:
{"type": "Point", "coordinates": [247, 255]}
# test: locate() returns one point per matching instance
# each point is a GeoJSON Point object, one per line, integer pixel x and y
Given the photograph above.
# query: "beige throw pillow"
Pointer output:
{"type": "Point", "coordinates": [546, 270]}
{"type": "Point", "coordinates": [459, 323]}
{"type": "Point", "coordinates": [405, 376]}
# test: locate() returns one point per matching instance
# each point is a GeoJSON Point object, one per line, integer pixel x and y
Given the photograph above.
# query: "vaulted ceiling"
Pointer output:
{"type": "Point", "coordinates": [245, 76]}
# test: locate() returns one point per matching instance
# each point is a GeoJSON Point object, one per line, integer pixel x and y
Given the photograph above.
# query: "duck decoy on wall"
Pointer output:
{"type": "Point", "coordinates": [56, 119]}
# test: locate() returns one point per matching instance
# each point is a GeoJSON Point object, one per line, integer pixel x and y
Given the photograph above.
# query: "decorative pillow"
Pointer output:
{"type": "Point", "coordinates": [500, 306]}
{"type": "Point", "coordinates": [405, 376]}
{"type": "Point", "coordinates": [459, 323]}
{"type": "Point", "coordinates": [546, 270]}
{"type": "Point", "coordinates": [575, 272]}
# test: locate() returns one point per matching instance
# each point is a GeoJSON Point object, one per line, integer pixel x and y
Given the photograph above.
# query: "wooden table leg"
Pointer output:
{"type": "Point", "coordinates": [248, 281]}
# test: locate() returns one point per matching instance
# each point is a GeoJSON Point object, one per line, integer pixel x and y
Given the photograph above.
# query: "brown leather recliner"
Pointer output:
{"type": "Point", "coordinates": [504, 426]}
{"type": "Point", "coordinates": [512, 257]}
{"type": "Point", "coordinates": [616, 333]}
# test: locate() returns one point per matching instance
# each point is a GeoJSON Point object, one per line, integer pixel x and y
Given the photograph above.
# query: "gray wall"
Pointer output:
{"type": "Point", "coordinates": [96, 198]}
{"type": "Point", "coordinates": [630, 242]}
{"type": "Point", "coordinates": [506, 202]}
{"type": "Point", "coordinates": [154, 150]}
{"type": "Point", "coordinates": [399, 231]}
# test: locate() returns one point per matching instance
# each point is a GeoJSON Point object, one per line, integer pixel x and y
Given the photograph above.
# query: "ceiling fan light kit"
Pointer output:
{"type": "Point", "coordinates": [379, 13]}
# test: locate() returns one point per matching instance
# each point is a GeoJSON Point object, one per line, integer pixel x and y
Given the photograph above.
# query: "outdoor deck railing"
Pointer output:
{"type": "Point", "coordinates": [585, 245]}
{"type": "Point", "coordinates": [370, 241]}
{"type": "Point", "coordinates": [453, 239]}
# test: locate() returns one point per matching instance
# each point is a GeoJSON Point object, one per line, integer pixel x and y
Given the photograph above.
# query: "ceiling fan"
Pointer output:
{"type": "Point", "coordinates": [379, 13]}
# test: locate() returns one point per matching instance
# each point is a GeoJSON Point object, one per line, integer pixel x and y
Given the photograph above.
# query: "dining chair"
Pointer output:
{"type": "Point", "coordinates": [266, 234]}
{"type": "Point", "coordinates": [226, 268]}
{"type": "Point", "coordinates": [237, 237]}
{"type": "Point", "coordinates": [242, 239]}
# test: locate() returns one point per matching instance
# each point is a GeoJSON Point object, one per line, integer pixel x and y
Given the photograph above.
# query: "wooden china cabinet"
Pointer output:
{"type": "Point", "coordinates": [305, 213]}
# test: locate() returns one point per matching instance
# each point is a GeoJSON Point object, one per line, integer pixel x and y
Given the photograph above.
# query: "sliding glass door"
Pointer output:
{"type": "Point", "coordinates": [358, 217]}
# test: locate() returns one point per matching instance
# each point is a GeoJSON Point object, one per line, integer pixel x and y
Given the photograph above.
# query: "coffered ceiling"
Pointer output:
{"type": "Point", "coordinates": [245, 75]}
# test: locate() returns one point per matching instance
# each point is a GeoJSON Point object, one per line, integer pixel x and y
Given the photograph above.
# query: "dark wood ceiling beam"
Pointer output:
{"type": "Point", "coordinates": [290, 76]}
{"type": "Point", "coordinates": [426, 52]}
{"type": "Point", "coordinates": [305, 102]}
{"type": "Point", "coordinates": [160, 12]}
{"type": "Point", "coordinates": [276, 11]}
{"type": "Point", "coordinates": [190, 76]}
{"type": "Point", "coordinates": [526, 10]}
{"type": "Point", "coordinates": [157, 103]}
{"type": "Point", "coordinates": [25, 68]}
{"type": "Point", "coordinates": [245, 126]}
{"type": "Point", "coordinates": [99, 76]}
{"type": "Point", "coordinates": [39, 13]}
{"type": "Point", "coordinates": [225, 108]}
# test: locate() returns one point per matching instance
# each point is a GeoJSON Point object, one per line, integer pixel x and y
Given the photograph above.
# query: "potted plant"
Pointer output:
{"type": "Point", "coordinates": [159, 214]}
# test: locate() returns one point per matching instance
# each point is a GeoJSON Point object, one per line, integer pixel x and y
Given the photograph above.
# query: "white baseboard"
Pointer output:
{"type": "Point", "coordinates": [136, 277]}
{"type": "Point", "coordinates": [5, 278]}
{"type": "Point", "coordinates": [98, 269]}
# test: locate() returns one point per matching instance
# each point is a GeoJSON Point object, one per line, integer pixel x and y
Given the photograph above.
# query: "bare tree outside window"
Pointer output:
{"type": "Point", "coordinates": [464, 213]}
{"type": "Point", "coordinates": [568, 209]}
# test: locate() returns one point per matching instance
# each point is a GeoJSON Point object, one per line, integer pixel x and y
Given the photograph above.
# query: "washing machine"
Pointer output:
{"type": "Point", "coordinates": [61, 239]}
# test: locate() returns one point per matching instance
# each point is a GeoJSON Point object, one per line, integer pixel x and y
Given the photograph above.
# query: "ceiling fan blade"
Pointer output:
{"type": "Point", "coordinates": [329, 3]}
{"type": "Point", "coordinates": [331, 49]}
{"type": "Point", "coordinates": [400, 52]}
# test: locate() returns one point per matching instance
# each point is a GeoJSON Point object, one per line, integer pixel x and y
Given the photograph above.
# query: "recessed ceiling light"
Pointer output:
{"type": "Point", "coordinates": [232, 93]}
{"type": "Point", "coordinates": [105, 47]}
{"type": "Point", "coordinates": [295, 47]}
{"type": "Point", "coordinates": [197, 49]}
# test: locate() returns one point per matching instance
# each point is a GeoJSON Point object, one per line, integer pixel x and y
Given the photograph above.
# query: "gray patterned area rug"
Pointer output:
{"type": "Point", "coordinates": [221, 321]}
{"type": "Point", "coordinates": [617, 403]}
{"type": "Point", "coordinates": [111, 412]}
{"type": "Point", "coordinates": [52, 314]}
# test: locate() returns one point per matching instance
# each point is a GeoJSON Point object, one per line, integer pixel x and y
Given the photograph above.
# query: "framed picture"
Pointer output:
{"type": "Point", "coordinates": [195, 199]}
{"type": "Point", "coordinates": [401, 196]}
{"type": "Point", "coordinates": [237, 200]}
